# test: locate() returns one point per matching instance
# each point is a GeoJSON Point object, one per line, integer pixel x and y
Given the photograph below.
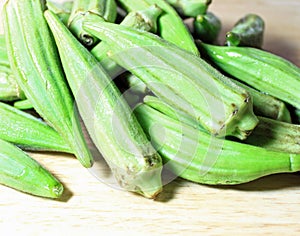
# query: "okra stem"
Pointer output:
{"type": "Point", "coordinates": [107, 9]}
{"type": "Point", "coordinates": [171, 26]}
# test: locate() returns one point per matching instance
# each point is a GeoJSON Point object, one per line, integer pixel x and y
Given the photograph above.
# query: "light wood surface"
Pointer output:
{"type": "Point", "coordinates": [270, 205]}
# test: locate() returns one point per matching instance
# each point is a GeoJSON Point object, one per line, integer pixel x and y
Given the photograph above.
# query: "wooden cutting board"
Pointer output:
{"type": "Point", "coordinates": [270, 205]}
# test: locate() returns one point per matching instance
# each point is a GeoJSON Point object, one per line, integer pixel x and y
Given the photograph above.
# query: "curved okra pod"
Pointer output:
{"type": "Point", "coordinates": [35, 63]}
{"type": "Point", "coordinates": [107, 117]}
{"type": "Point", "coordinates": [107, 9]}
{"type": "Point", "coordinates": [182, 80]}
{"type": "Point", "coordinates": [276, 135]}
{"type": "Point", "coordinates": [248, 31]}
{"type": "Point", "coordinates": [199, 157]}
{"type": "Point", "coordinates": [62, 10]}
{"type": "Point", "coordinates": [21, 172]}
{"type": "Point", "coordinates": [207, 27]}
{"type": "Point", "coordinates": [28, 132]}
{"type": "Point", "coordinates": [142, 20]}
{"type": "Point", "coordinates": [171, 26]}
{"type": "Point", "coordinates": [190, 8]}
{"type": "Point", "coordinates": [262, 70]}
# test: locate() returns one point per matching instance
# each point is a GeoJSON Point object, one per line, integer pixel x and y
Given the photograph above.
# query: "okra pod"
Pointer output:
{"type": "Point", "coordinates": [207, 27]}
{"type": "Point", "coordinates": [9, 89]}
{"type": "Point", "coordinates": [23, 104]}
{"type": "Point", "coordinates": [199, 157]}
{"type": "Point", "coordinates": [276, 135]}
{"type": "Point", "coordinates": [62, 10]}
{"type": "Point", "coordinates": [181, 79]}
{"type": "Point", "coordinates": [266, 105]}
{"type": "Point", "coordinates": [107, 9]}
{"type": "Point", "coordinates": [28, 132]}
{"type": "Point", "coordinates": [262, 70]}
{"type": "Point", "coordinates": [21, 172]}
{"type": "Point", "coordinates": [107, 117]}
{"type": "Point", "coordinates": [170, 25]}
{"type": "Point", "coordinates": [159, 105]}
{"type": "Point", "coordinates": [35, 63]}
{"type": "Point", "coordinates": [190, 8]}
{"type": "Point", "coordinates": [142, 20]}
{"type": "Point", "coordinates": [248, 31]}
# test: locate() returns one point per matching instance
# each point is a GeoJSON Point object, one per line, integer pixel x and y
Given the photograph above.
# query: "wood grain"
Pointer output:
{"type": "Point", "coordinates": [266, 206]}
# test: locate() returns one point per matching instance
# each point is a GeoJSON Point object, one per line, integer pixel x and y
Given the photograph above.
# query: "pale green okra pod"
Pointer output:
{"type": "Point", "coordinates": [28, 132]}
{"type": "Point", "coordinates": [108, 118]}
{"type": "Point", "coordinates": [180, 79]}
{"type": "Point", "coordinates": [21, 172]}
{"type": "Point", "coordinates": [199, 157]}
{"type": "Point", "coordinates": [171, 26]}
{"type": "Point", "coordinates": [262, 70]}
{"type": "Point", "coordinates": [36, 66]}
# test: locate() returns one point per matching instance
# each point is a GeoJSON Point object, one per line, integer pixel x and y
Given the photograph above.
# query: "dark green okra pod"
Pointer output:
{"type": "Point", "coordinates": [207, 27]}
{"type": "Point", "coordinates": [21, 172]}
{"type": "Point", "coordinates": [180, 79]}
{"type": "Point", "coordinates": [35, 62]}
{"type": "Point", "coordinates": [199, 157]}
{"type": "Point", "coordinates": [190, 8]}
{"type": "Point", "coordinates": [262, 70]}
{"type": "Point", "coordinates": [248, 31]}
{"type": "Point", "coordinates": [28, 132]}
{"type": "Point", "coordinates": [171, 26]}
{"type": "Point", "coordinates": [107, 9]}
{"type": "Point", "coordinates": [107, 117]}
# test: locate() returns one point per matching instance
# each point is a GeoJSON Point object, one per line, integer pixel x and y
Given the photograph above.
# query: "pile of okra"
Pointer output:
{"type": "Point", "coordinates": [154, 94]}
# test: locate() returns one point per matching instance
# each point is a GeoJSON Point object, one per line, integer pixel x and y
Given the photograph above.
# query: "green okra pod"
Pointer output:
{"type": "Point", "coordinates": [190, 8]}
{"type": "Point", "coordinates": [276, 135]}
{"type": "Point", "coordinates": [35, 63]}
{"type": "Point", "coordinates": [266, 105]}
{"type": "Point", "coordinates": [248, 31]}
{"type": "Point", "coordinates": [62, 10]}
{"type": "Point", "coordinates": [159, 105]}
{"type": "Point", "coordinates": [23, 104]}
{"type": "Point", "coordinates": [28, 132]}
{"type": "Point", "coordinates": [207, 27]}
{"type": "Point", "coordinates": [142, 20]}
{"type": "Point", "coordinates": [21, 172]}
{"type": "Point", "coordinates": [9, 89]}
{"type": "Point", "coordinates": [181, 79]}
{"type": "Point", "coordinates": [199, 157]}
{"type": "Point", "coordinates": [262, 70]}
{"type": "Point", "coordinates": [171, 26]}
{"type": "Point", "coordinates": [107, 9]}
{"type": "Point", "coordinates": [107, 117]}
